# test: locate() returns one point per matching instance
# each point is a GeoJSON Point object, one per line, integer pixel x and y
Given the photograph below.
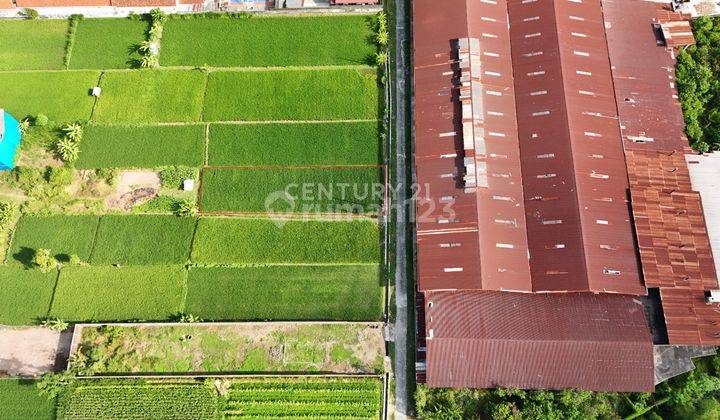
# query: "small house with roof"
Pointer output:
{"type": "Point", "coordinates": [9, 140]}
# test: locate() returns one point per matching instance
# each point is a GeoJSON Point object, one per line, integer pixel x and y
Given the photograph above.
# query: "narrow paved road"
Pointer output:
{"type": "Point", "coordinates": [401, 284]}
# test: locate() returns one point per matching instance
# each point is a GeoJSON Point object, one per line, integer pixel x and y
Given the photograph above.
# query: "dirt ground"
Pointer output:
{"type": "Point", "coordinates": [32, 351]}
{"type": "Point", "coordinates": [132, 188]}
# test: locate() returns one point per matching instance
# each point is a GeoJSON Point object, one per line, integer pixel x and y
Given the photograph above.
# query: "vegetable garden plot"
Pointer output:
{"type": "Point", "coordinates": [62, 96]}
{"type": "Point", "coordinates": [303, 190]}
{"type": "Point", "coordinates": [32, 44]}
{"type": "Point", "coordinates": [20, 400]}
{"type": "Point", "coordinates": [264, 241]}
{"type": "Point", "coordinates": [356, 143]}
{"type": "Point", "coordinates": [342, 293]}
{"type": "Point", "coordinates": [63, 235]}
{"type": "Point", "coordinates": [335, 94]}
{"type": "Point", "coordinates": [270, 41]}
{"type": "Point", "coordinates": [142, 146]}
{"type": "Point", "coordinates": [150, 96]}
{"type": "Point", "coordinates": [24, 296]}
{"type": "Point", "coordinates": [143, 240]}
{"type": "Point", "coordinates": [108, 43]}
{"type": "Point", "coordinates": [152, 293]}
{"type": "Point", "coordinates": [316, 398]}
{"type": "Point", "coordinates": [124, 399]}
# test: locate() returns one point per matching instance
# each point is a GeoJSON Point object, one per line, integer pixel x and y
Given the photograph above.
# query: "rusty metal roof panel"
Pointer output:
{"type": "Point", "coordinates": [575, 179]}
{"type": "Point", "coordinates": [573, 340]}
{"type": "Point", "coordinates": [471, 229]}
{"type": "Point", "coordinates": [648, 106]}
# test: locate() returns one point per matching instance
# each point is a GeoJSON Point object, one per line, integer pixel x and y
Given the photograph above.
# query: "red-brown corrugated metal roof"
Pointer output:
{"type": "Point", "coordinates": [6, 4]}
{"type": "Point", "coordinates": [575, 180]}
{"type": "Point", "coordinates": [481, 339]}
{"type": "Point", "coordinates": [142, 3]}
{"type": "Point", "coordinates": [675, 27]}
{"type": "Point", "coordinates": [689, 318]}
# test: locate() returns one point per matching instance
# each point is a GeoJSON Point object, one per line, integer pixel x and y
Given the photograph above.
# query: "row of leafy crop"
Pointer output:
{"type": "Point", "coordinates": [188, 40]}
{"type": "Point", "coordinates": [209, 399]}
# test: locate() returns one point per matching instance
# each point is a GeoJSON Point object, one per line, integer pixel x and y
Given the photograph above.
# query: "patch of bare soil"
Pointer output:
{"type": "Point", "coordinates": [29, 351]}
{"type": "Point", "coordinates": [133, 188]}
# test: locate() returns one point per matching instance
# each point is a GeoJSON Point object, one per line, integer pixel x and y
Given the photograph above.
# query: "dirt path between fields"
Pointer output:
{"type": "Point", "coordinates": [32, 351]}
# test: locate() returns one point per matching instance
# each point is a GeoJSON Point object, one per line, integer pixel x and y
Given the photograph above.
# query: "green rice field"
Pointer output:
{"type": "Point", "coordinates": [128, 293]}
{"type": "Point", "coordinates": [352, 293]}
{"type": "Point", "coordinates": [25, 296]}
{"type": "Point", "coordinates": [306, 190]}
{"type": "Point", "coordinates": [336, 94]}
{"type": "Point", "coordinates": [62, 96]}
{"type": "Point", "coordinates": [355, 143]}
{"type": "Point", "coordinates": [134, 240]}
{"type": "Point", "coordinates": [263, 241]}
{"type": "Point", "coordinates": [142, 146]}
{"type": "Point", "coordinates": [63, 235]}
{"type": "Point", "coordinates": [107, 43]}
{"type": "Point", "coordinates": [20, 400]}
{"type": "Point", "coordinates": [268, 41]}
{"type": "Point", "coordinates": [149, 96]}
{"type": "Point", "coordinates": [32, 45]}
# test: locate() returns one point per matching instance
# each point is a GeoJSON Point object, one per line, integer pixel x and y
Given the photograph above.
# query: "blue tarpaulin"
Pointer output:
{"type": "Point", "coordinates": [9, 141]}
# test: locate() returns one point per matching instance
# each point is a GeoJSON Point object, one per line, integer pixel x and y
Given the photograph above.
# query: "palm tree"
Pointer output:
{"type": "Point", "coordinates": [74, 132]}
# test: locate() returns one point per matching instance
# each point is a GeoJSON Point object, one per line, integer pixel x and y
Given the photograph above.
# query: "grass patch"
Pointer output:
{"type": "Point", "coordinates": [108, 43]}
{"type": "Point", "coordinates": [312, 190]}
{"type": "Point", "coordinates": [342, 293]}
{"type": "Point", "coordinates": [292, 95]}
{"type": "Point", "coordinates": [123, 399]}
{"type": "Point", "coordinates": [258, 241]}
{"type": "Point", "coordinates": [62, 96]}
{"type": "Point", "coordinates": [275, 41]}
{"type": "Point", "coordinates": [143, 240]}
{"type": "Point", "coordinates": [63, 235]}
{"type": "Point", "coordinates": [142, 146]}
{"type": "Point", "coordinates": [150, 293]}
{"type": "Point", "coordinates": [148, 96]}
{"type": "Point", "coordinates": [20, 400]}
{"type": "Point", "coordinates": [301, 144]}
{"type": "Point", "coordinates": [25, 296]}
{"type": "Point", "coordinates": [32, 44]}
{"type": "Point", "coordinates": [317, 347]}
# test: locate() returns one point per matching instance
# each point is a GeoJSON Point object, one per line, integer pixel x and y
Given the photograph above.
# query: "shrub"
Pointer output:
{"type": "Point", "coordinates": [52, 384]}
{"type": "Point", "coordinates": [55, 324]}
{"type": "Point", "coordinates": [44, 260]}
{"type": "Point", "coordinates": [59, 177]}
{"type": "Point", "coordinates": [41, 120]}
{"type": "Point", "coordinates": [109, 175]}
{"type": "Point", "coordinates": [7, 209]}
{"type": "Point", "coordinates": [31, 13]}
{"type": "Point", "coordinates": [75, 260]}
{"type": "Point", "coordinates": [24, 126]}
{"type": "Point", "coordinates": [74, 132]}
{"type": "Point", "coordinates": [70, 42]}
{"type": "Point", "coordinates": [173, 176]}
{"type": "Point", "coordinates": [185, 208]}
{"type": "Point", "coordinates": [67, 149]}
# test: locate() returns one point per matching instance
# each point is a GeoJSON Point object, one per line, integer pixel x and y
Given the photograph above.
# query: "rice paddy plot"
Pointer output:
{"type": "Point", "coordinates": [150, 96]}
{"type": "Point", "coordinates": [149, 293]}
{"type": "Point", "coordinates": [25, 296]}
{"type": "Point", "coordinates": [335, 94]}
{"type": "Point", "coordinates": [293, 190]}
{"type": "Point", "coordinates": [268, 41]}
{"type": "Point", "coordinates": [32, 44]}
{"type": "Point", "coordinates": [143, 240]}
{"type": "Point", "coordinates": [221, 240]}
{"type": "Point", "coordinates": [147, 146]}
{"type": "Point", "coordinates": [63, 235]}
{"type": "Point", "coordinates": [21, 400]}
{"type": "Point", "coordinates": [61, 96]}
{"type": "Point", "coordinates": [341, 293]}
{"type": "Point", "coordinates": [108, 43]}
{"type": "Point", "coordinates": [355, 143]}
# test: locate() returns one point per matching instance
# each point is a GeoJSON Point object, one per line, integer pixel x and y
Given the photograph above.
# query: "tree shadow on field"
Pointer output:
{"type": "Point", "coordinates": [24, 256]}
